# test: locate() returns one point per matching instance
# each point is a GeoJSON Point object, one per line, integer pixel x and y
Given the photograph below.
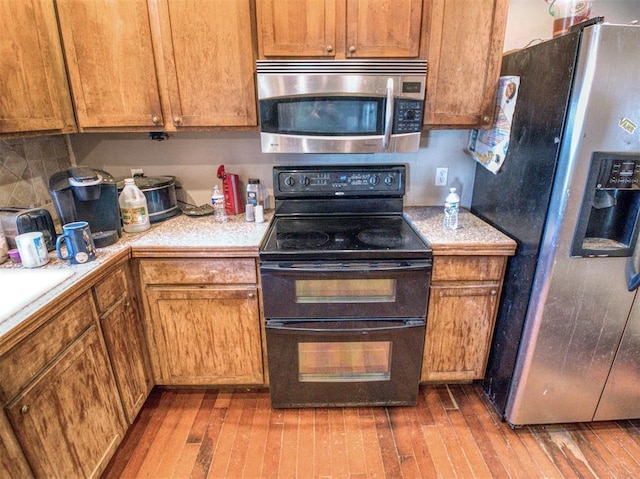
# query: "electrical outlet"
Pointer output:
{"type": "Point", "coordinates": [441, 175]}
{"type": "Point", "coordinates": [136, 172]}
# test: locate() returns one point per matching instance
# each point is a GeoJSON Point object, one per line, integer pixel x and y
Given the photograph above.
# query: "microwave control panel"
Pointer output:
{"type": "Point", "coordinates": [408, 116]}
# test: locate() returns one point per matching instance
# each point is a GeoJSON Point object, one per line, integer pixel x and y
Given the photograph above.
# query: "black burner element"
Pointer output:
{"type": "Point", "coordinates": [383, 238]}
{"type": "Point", "coordinates": [302, 240]}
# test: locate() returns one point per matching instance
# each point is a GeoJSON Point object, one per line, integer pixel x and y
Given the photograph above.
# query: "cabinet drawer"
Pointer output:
{"type": "Point", "coordinates": [28, 358]}
{"type": "Point", "coordinates": [468, 268]}
{"type": "Point", "coordinates": [110, 289]}
{"type": "Point", "coordinates": [198, 271]}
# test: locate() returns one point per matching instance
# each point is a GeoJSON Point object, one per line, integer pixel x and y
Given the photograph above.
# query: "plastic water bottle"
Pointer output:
{"type": "Point", "coordinates": [451, 208]}
{"type": "Point", "coordinates": [133, 208]}
{"type": "Point", "coordinates": [217, 201]}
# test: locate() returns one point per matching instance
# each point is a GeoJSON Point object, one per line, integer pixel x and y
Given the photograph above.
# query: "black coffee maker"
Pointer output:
{"type": "Point", "coordinates": [87, 194]}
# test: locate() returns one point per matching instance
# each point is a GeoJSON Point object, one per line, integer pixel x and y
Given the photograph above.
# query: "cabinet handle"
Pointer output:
{"type": "Point", "coordinates": [493, 292]}
{"type": "Point", "coordinates": [24, 409]}
{"type": "Point", "coordinates": [352, 49]}
{"type": "Point", "coordinates": [155, 119]}
{"type": "Point", "coordinates": [177, 120]}
{"type": "Point", "coordinates": [329, 48]}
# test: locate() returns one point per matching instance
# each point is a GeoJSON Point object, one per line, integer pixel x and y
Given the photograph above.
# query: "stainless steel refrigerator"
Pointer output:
{"type": "Point", "coordinates": [566, 347]}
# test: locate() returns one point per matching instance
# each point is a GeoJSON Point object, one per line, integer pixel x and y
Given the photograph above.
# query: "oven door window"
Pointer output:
{"type": "Point", "coordinates": [381, 290]}
{"type": "Point", "coordinates": [323, 116]}
{"type": "Point", "coordinates": [344, 361]}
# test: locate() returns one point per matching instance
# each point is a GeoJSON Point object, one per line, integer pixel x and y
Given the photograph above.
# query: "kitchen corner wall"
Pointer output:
{"type": "Point", "coordinates": [26, 164]}
{"type": "Point", "coordinates": [25, 167]}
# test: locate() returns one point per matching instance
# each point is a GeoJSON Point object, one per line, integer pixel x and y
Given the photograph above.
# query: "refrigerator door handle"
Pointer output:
{"type": "Point", "coordinates": [633, 275]}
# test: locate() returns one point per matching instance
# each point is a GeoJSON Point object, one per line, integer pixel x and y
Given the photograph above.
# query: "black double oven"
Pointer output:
{"type": "Point", "coordinates": [345, 281]}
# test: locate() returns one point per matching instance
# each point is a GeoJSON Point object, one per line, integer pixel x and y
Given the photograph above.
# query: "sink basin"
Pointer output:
{"type": "Point", "coordinates": [20, 287]}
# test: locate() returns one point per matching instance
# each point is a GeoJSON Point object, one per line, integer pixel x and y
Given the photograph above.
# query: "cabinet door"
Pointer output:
{"type": "Point", "coordinates": [34, 94]}
{"type": "Point", "coordinates": [209, 62]}
{"type": "Point", "coordinates": [124, 335]}
{"type": "Point", "coordinates": [460, 322]}
{"type": "Point", "coordinates": [465, 55]}
{"type": "Point", "coordinates": [205, 335]}
{"type": "Point", "coordinates": [68, 421]}
{"type": "Point", "coordinates": [383, 28]}
{"type": "Point", "coordinates": [297, 28]}
{"type": "Point", "coordinates": [107, 45]}
{"type": "Point", "coordinates": [122, 332]}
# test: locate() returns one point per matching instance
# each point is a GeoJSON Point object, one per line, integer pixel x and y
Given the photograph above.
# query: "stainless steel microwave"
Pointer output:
{"type": "Point", "coordinates": [332, 106]}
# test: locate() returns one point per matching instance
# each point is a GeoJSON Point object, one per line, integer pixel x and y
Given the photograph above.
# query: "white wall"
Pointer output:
{"type": "Point", "coordinates": [195, 157]}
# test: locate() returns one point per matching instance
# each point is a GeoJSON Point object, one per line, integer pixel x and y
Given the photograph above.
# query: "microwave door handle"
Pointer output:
{"type": "Point", "coordinates": [388, 115]}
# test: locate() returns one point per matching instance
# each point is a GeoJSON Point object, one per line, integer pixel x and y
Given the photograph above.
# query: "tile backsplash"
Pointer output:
{"type": "Point", "coordinates": [25, 167]}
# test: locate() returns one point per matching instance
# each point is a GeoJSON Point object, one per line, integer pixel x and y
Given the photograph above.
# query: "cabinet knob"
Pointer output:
{"type": "Point", "coordinates": [251, 295]}
{"type": "Point", "coordinates": [493, 292]}
{"type": "Point", "coordinates": [352, 49]}
{"type": "Point", "coordinates": [24, 409]}
{"type": "Point", "coordinates": [177, 120]}
{"type": "Point", "coordinates": [329, 48]}
{"type": "Point", "coordinates": [486, 120]}
{"type": "Point", "coordinates": [155, 119]}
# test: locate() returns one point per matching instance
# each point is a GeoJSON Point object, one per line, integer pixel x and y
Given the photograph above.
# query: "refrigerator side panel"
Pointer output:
{"type": "Point", "coordinates": [515, 200]}
{"type": "Point", "coordinates": [506, 337]}
{"type": "Point", "coordinates": [579, 305]}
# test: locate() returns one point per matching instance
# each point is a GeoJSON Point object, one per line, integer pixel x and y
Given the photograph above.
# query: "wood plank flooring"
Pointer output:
{"type": "Point", "coordinates": [453, 432]}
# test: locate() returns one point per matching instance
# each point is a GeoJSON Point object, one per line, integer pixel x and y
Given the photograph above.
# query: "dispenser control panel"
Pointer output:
{"type": "Point", "coordinates": [619, 173]}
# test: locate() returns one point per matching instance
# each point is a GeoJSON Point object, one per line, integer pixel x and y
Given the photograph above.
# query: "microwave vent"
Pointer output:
{"type": "Point", "coordinates": [341, 67]}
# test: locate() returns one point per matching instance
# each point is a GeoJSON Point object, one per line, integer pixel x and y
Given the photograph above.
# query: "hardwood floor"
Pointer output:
{"type": "Point", "coordinates": [453, 432]}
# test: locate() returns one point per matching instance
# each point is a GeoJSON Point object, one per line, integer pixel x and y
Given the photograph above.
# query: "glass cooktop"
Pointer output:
{"type": "Point", "coordinates": [342, 237]}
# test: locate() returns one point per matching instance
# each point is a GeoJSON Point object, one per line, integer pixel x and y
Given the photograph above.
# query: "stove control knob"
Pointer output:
{"type": "Point", "coordinates": [289, 181]}
{"type": "Point", "coordinates": [374, 180]}
{"type": "Point", "coordinates": [305, 181]}
{"type": "Point", "coordinates": [389, 180]}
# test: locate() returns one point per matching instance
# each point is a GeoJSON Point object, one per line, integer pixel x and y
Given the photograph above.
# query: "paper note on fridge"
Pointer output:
{"type": "Point", "coordinates": [489, 147]}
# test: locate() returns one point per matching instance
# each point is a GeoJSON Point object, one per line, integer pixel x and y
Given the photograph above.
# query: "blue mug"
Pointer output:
{"type": "Point", "coordinates": [79, 243]}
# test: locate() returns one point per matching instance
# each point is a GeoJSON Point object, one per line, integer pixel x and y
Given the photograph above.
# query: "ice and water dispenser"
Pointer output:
{"type": "Point", "coordinates": [608, 222]}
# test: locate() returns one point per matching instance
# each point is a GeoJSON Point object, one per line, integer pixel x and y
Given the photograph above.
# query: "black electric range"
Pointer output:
{"type": "Point", "coordinates": [341, 213]}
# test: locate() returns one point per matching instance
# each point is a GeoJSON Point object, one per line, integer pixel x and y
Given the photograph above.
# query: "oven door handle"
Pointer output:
{"type": "Point", "coordinates": [388, 115]}
{"type": "Point", "coordinates": [302, 268]}
{"type": "Point", "coordinates": [312, 326]}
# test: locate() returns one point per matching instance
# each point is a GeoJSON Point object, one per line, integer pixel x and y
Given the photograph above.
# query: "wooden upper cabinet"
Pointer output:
{"type": "Point", "coordinates": [465, 41]}
{"type": "Point", "coordinates": [297, 28]}
{"type": "Point", "coordinates": [34, 94]}
{"type": "Point", "coordinates": [110, 63]}
{"type": "Point", "coordinates": [383, 28]}
{"type": "Point", "coordinates": [339, 28]}
{"type": "Point", "coordinates": [207, 62]}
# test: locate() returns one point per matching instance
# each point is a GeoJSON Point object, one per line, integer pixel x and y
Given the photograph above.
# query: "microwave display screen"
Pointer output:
{"type": "Point", "coordinates": [332, 116]}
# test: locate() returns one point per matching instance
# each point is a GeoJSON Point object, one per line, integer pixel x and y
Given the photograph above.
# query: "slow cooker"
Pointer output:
{"type": "Point", "coordinates": [160, 192]}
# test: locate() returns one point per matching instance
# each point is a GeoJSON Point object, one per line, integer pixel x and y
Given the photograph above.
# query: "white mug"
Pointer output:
{"type": "Point", "coordinates": [32, 249]}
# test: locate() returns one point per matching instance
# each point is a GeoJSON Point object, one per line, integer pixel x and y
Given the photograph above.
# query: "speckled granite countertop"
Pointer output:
{"type": "Point", "coordinates": [202, 236]}
{"type": "Point", "coordinates": [473, 235]}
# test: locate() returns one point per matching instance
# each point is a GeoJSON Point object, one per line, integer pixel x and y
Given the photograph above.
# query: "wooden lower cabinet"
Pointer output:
{"type": "Point", "coordinates": [463, 301]}
{"type": "Point", "coordinates": [12, 461]}
{"type": "Point", "coordinates": [203, 321]}
{"type": "Point", "coordinates": [124, 335]}
{"type": "Point", "coordinates": [60, 395]}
